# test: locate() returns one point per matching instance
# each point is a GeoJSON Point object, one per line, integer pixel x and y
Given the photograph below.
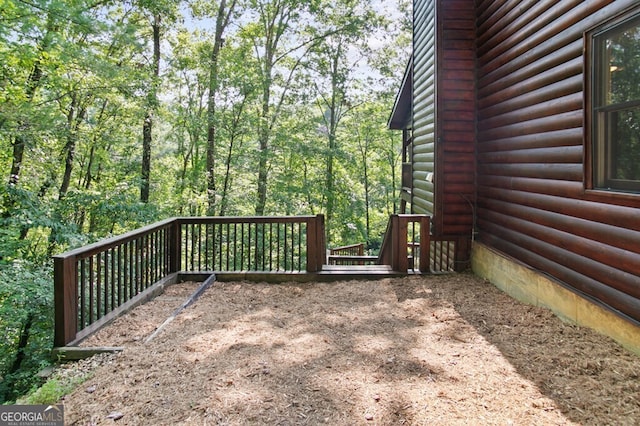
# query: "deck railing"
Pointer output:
{"type": "Point", "coordinates": [95, 283]}
{"type": "Point", "coordinates": [350, 255]}
{"type": "Point", "coordinates": [407, 245]}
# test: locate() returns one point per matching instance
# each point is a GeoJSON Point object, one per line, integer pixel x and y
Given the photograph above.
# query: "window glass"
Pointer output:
{"type": "Point", "coordinates": [616, 103]}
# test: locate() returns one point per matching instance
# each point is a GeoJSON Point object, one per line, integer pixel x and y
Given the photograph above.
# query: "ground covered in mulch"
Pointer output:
{"type": "Point", "coordinates": [420, 350]}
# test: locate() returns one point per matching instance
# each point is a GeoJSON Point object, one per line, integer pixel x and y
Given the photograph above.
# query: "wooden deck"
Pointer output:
{"type": "Point", "coordinates": [95, 283]}
{"type": "Point", "coordinates": [326, 274]}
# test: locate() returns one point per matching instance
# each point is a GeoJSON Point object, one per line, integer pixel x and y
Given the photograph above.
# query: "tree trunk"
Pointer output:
{"type": "Point", "coordinates": [73, 121]}
{"type": "Point", "coordinates": [147, 127]}
{"type": "Point", "coordinates": [332, 127]}
{"type": "Point", "coordinates": [222, 20]}
{"type": "Point", "coordinates": [145, 175]}
{"type": "Point", "coordinates": [16, 162]}
{"type": "Point", "coordinates": [263, 159]}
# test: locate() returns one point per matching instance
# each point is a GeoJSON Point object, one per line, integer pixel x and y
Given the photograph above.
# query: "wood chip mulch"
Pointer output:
{"type": "Point", "coordinates": [419, 350]}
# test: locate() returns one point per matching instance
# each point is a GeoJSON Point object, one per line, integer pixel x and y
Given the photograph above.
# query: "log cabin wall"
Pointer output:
{"type": "Point", "coordinates": [534, 201]}
{"type": "Point", "coordinates": [456, 127]}
{"type": "Point", "coordinates": [443, 160]}
{"type": "Point", "coordinates": [424, 107]}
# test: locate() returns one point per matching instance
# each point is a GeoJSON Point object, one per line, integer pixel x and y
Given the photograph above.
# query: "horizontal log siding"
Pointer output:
{"type": "Point", "coordinates": [424, 101]}
{"type": "Point", "coordinates": [532, 202]}
{"type": "Point", "coordinates": [457, 124]}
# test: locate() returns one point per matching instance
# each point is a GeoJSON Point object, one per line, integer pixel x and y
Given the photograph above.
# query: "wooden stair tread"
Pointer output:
{"type": "Point", "coordinates": [358, 271]}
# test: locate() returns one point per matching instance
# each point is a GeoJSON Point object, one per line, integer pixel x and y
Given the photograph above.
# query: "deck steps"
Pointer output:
{"type": "Point", "coordinates": [358, 271]}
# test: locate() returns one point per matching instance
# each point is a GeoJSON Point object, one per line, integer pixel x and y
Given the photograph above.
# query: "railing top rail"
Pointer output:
{"type": "Point", "coordinates": [107, 243]}
{"type": "Point", "coordinates": [412, 216]}
{"type": "Point", "coordinates": [348, 247]}
{"type": "Point", "coordinates": [244, 219]}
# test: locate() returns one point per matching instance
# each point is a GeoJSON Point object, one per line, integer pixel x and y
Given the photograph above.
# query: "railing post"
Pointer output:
{"type": "Point", "coordinates": [400, 255]}
{"type": "Point", "coordinates": [175, 249]}
{"type": "Point", "coordinates": [322, 246]}
{"type": "Point", "coordinates": [425, 244]}
{"type": "Point", "coordinates": [65, 296]}
{"type": "Point", "coordinates": [315, 243]}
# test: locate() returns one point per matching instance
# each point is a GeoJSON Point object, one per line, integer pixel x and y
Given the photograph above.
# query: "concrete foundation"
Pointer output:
{"type": "Point", "coordinates": [534, 288]}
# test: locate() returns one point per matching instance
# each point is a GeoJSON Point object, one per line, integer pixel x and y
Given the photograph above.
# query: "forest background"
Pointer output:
{"type": "Point", "coordinates": [115, 114]}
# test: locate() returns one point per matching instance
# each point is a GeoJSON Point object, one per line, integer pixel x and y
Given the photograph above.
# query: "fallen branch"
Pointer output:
{"type": "Point", "coordinates": [205, 285]}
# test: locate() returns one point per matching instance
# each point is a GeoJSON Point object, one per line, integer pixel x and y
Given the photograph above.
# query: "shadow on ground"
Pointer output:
{"type": "Point", "coordinates": [437, 350]}
{"type": "Point", "coordinates": [591, 379]}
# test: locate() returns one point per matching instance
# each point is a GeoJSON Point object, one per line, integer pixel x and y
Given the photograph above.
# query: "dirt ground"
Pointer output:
{"type": "Point", "coordinates": [420, 350]}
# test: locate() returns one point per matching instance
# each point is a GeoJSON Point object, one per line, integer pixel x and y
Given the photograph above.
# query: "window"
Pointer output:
{"type": "Point", "coordinates": [615, 103]}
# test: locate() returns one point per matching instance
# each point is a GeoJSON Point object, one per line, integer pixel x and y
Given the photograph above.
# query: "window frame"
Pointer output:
{"type": "Point", "coordinates": [597, 148]}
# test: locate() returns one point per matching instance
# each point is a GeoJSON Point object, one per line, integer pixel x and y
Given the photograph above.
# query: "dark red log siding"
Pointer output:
{"type": "Point", "coordinates": [532, 201]}
{"type": "Point", "coordinates": [455, 167]}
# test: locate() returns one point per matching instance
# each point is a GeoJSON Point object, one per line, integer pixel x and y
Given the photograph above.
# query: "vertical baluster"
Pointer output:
{"type": "Point", "coordinates": [271, 246]}
{"type": "Point", "coordinates": [263, 246]}
{"type": "Point", "coordinates": [161, 253]}
{"type": "Point", "coordinates": [141, 242]}
{"type": "Point", "coordinates": [107, 284]}
{"type": "Point", "coordinates": [257, 249]}
{"type": "Point", "coordinates": [241, 246]}
{"type": "Point", "coordinates": [122, 296]}
{"type": "Point", "coordinates": [192, 243]}
{"type": "Point", "coordinates": [98, 286]}
{"type": "Point", "coordinates": [91, 292]}
{"type": "Point", "coordinates": [154, 257]}
{"type": "Point", "coordinates": [248, 246]}
{"type": "Point", "coordinates": [167, 249]}
{"type": "Point", "coordinates": [199, 246]}
{"type": "Point", "coordinates": [83, 279]}
{"type": "Point", "coordinates": [293, 246]}
{"type": "Point", "coordinates": [150, 258]}
{"type": "Point", "coordinates": [128, 281]}
{"type": "Point", "coordinates": [183, 246]}
{"type": "Point", "coordinates": [285, 246]}
{"type": "Point", "coordinates": [112, 278]}
{"type": "Point", "coordinates": [214, 246]}
{"type": "Point", "coordinates": [143, 262]}
{"type": "Point", "coordinates": [219, 245]}
{"type": "Point", "coordinates": [413, 245]}
{"type": "Point", "coordinates": [300, 246]}
{"type": "Point", "coordinates": [207, 252]}
{"type": "Point", "coordinates": [235, 246]}
{"type": "Point", "coordinates": [134, 265]}
{"type": "Point", "coordinates": [278, 247]}
{"type": "Point", "coordinates": [228, 244]}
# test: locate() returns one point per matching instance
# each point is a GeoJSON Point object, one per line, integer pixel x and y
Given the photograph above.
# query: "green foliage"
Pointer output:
{"type": "Point", "coordinates": [304, 90]}
{"type": "Point", "coordinates": [26, 310]}
{"type": "Point", "coordinates": [53, 389]}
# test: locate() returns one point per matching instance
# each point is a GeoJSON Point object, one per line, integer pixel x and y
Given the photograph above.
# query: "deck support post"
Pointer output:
{"type": "Point", "coordinates": [315, 243]}
{"type": "Point", "coordinates": [65, 296]}
{"type": "Point", "coordinates": [425, 243]}
{"type": "Point", "coordinates": [399, 259]}
{"type": "Point", "coordinates": [174, 246]}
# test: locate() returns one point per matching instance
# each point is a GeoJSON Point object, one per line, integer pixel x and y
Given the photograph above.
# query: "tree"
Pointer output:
{"type": "Point", "coordinates": [158, 12]}
{"type": "Point", "coordinates": [333, 66]}
{"type": "Point", "coordinates": [280, 42]}
{"type": "Point", "coordinates": [223, 17]}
